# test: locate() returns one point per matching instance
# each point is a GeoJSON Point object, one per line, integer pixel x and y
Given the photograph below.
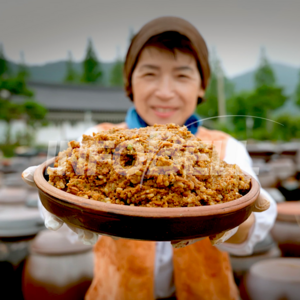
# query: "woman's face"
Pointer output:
{"type": "Point", "coordinates": [165, 86]}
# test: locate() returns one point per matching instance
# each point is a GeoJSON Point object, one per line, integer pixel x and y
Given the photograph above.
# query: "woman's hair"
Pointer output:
{"type": "Point", "coordinates": [168, 33]}
{"type": "Point", "coordinates": [171, 41]}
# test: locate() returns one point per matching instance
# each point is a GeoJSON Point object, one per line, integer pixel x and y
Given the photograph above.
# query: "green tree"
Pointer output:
{"type": "Point", "coordinates": [264, 75]}
{"type": "Point", "coordinates": [13, 85]}
{"type": "Point", "coordinates": [259, 103]}
{"type": "Point", "coordinates": [267, 96]}
{"type": "Point", "coordinates": [10, 86]}
{"type": "Point", "coordinates": [297, 91]}
{"type": "Point", "coordinates": [92, 72]}
{"type": "Point", "coordinates": [71, 74]}
{"type": "Point", "coordinates": [34, 115]}
{"type": "Point", "coordinates": [116, 74]}
{"type": "Point", "coordinates": [10, 110]}
{"type": "Point", "coordinates": [290, 129]}
{"type": "Point", "coordinates": [4, 68]}
{"type": "Point", "coordinates": [23, 72]}
{"type": "Point", "coordinates": [237, 106]}
{"type": "Point", "coordinates": [210, 107]}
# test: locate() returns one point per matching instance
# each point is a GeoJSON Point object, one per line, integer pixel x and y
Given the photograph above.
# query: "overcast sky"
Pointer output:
{"type": "Point", "coordinates": [46, 29]}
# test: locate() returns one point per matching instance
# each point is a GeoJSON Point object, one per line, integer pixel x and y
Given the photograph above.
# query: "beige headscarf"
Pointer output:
{"type": "Point", "coordinates": [158, 26]}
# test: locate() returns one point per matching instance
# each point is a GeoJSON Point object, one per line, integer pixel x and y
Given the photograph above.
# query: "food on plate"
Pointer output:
{"type": "Point", "coordinates": [155, 166]}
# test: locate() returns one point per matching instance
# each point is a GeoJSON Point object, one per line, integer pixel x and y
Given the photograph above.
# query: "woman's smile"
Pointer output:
{"type": "Point", "coordinates": [164, 112]}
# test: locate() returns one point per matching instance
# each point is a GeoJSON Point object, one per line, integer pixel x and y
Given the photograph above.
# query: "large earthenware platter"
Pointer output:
{"type": "Point", "coordinates": [144, 223]}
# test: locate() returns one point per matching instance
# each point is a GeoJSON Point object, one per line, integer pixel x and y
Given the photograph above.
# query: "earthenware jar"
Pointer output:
{"type": "Point", "coordinates": [265, 249]}
{"type": "Point", "coordinates": [18, 227]}
{"type": "Point", "coordinates": [273, 279]}
{"type": "Point", "coordinates": [286, 231]}
{"type": "Point", "coordinates": [56, 268]}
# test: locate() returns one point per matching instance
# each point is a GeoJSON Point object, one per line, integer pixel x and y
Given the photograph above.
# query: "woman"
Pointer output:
{"type": "Point", "coordinates": [166, 73]}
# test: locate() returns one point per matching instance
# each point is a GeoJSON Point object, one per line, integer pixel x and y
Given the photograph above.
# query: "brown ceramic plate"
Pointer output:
{"type": "Point", "coordinates": [143, 223]}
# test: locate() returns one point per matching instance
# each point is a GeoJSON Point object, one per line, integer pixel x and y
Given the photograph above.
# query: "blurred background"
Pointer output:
{"type": "Point", "coordinates": [61, 73]}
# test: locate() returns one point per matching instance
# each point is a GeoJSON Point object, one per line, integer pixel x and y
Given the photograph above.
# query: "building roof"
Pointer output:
{"type": "Point", "coordinates": [71, 97]}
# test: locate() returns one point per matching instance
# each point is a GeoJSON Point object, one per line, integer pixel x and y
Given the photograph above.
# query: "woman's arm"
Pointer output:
{"type": "Point", "coordinates": [257, 226]}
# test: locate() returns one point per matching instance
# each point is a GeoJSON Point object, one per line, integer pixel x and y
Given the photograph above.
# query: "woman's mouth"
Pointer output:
{"type": "Point", "coordinates": [164, 112]}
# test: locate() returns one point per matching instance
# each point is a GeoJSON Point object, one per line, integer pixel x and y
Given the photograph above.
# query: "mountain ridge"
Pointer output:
{"type": "Point", "coordinates": [286, 76]}
{"type": "Point", "coordinates": [54, 72]}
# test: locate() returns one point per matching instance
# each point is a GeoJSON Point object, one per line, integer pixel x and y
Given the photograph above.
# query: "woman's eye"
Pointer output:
{"type": "Point", "coordinates": [182, 76]}
{"type": "Point", "coordinates": [149, 74]}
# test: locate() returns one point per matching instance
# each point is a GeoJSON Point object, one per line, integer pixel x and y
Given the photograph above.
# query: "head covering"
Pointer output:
{"type": "Point", "coordinates": [158, 26]}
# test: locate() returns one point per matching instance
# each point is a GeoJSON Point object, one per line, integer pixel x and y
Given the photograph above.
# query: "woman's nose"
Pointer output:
{"type": "Point", "coordinates": [165, 89]}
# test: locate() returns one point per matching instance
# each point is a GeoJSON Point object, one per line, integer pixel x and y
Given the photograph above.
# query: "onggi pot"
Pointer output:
{"type": "Point", "coordinates": [57, 269]}
{"type": "Point", "coordinates": [273, 279]}
{"type": "Point", "coordinates": [18, 226]}
{"type": "Point", "coordinates": [286, 230]}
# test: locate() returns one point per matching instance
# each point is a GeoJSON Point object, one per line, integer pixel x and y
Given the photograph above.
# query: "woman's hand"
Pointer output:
{"type": "Point", "coordinates": [261, 204]}
{"type": "Point", "coordinates": [237, 235]}
{"type": "Point", "coordinates": [53, 222]}
{"type": "Point", "coordinates": [214, 239]}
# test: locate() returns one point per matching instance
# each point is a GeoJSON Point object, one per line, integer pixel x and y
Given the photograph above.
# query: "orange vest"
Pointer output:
{"type": "Point", "coordinates": [124, 269]}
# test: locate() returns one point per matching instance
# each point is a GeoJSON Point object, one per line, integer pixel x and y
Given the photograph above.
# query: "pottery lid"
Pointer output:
{"type": "Point", "coordinates": [278, 269]}
{"type": "Point", "coordinates": [12, 195]}
{"type": "Point", "coordinates": [289, 211]}
{"type": "Point", "coordinates": [49, 242]}
{"type": "Point", "coordinates": [19, 221]}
